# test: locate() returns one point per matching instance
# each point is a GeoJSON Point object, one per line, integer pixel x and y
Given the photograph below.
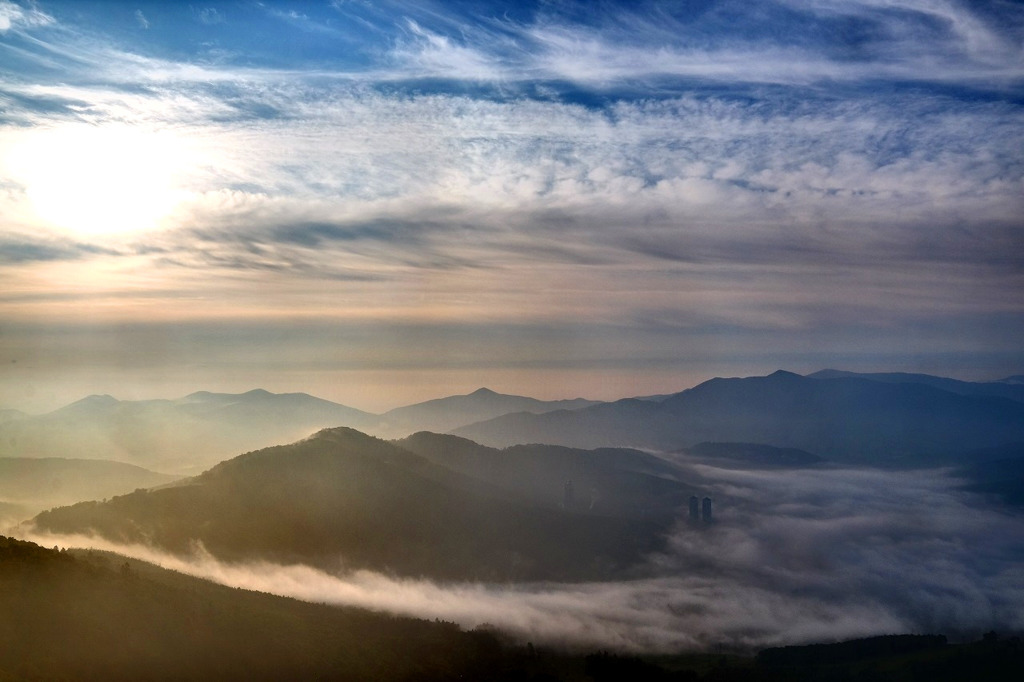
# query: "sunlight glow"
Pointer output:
{"type": "Point", "coordinates": [95, 181]}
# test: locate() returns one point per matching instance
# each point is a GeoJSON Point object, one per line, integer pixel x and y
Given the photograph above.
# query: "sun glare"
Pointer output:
{"type": "Point", "coordinates": [96, 181]}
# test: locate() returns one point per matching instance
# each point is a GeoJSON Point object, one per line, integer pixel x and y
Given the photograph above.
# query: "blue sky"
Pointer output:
{"type": "Point", "coordinates": [380, 202]}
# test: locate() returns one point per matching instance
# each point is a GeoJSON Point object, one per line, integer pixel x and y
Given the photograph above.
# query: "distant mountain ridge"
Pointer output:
{"type": "Point", "coordinates": [833, 413]}
{"type": "Point", "coordinates": [173, 435]}
{"type": "Point", "coordinates": [844, 419]}
{"type": "Point", "coordinates": [47, 482]}
{"type": "Point", "coordinates": [444, 414]}
{"type": "Point", "coordinates": [190, 433]}
{"type": "Point", "coordinates": [1006, 388]}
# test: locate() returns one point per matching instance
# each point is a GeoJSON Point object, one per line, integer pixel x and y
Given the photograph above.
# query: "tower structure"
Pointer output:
{"type": "Point", "coordinates": [705, 509]}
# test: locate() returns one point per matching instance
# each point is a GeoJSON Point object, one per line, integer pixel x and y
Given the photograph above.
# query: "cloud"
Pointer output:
{"type": "Point", "coordinates": [793, 557]}
{"type": "Point", "coordinates": [651, 48]}
{"type": "Point", "coordinates": [15, 250]}
{"type": "Point", "coordinates": [846, 173]}
{"type": "Point", "coordinates": [140, 18]}
{"type": "Point", "coordinates": [13, 16]}
{"type": "Point", "coordinates": [207, 15]}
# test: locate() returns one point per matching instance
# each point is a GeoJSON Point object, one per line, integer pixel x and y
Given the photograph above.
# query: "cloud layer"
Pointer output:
{"type": "Point", "coordinates": [835, 177]}
{"type": "Point", "coordinates": [793, 557]}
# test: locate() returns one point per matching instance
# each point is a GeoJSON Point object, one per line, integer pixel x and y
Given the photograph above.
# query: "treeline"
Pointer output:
{"type": "Point", "coordinates": [88, 615]}
{"type": "Point", "coordinates": [96, 616]}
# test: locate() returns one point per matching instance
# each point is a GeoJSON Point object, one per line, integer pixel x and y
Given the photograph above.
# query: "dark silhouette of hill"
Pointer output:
{"type": "Point", "coordinates": [754, 455]}
{"type": "Point", "coordinates": [37, 484]}
{"type": "Point", "coordinates": [998, 472]}
{"type": "Point", "coordinates": [87, 615]}
{"type": "Point", "coordinates": [844, 419]}
{"type": "Point", "coordinates": [444, 414]}
{"type": "Point", "coordinates": [616, 482]}
{"type": "Point", "coordinates": [1006, 388]}
{"type": "Point", "coordinates": [97, 616]}
{"type": "Point", "coordinates": [187, 434]}
{"type": "Point", "coordinates": [342, 498]}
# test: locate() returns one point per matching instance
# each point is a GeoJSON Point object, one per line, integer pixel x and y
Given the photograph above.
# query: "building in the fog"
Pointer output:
{"type": "Point", "coordinates": [705, 509]}
{"type": "Point", "coordinates": [694, 509]}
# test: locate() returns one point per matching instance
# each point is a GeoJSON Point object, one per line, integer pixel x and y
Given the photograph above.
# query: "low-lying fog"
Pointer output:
{"type": "Point", "coordinates": [792, 556]}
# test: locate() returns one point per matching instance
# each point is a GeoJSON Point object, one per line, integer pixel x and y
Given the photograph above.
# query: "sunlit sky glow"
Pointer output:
{"type": "Point", "coordinates": [381, 202]}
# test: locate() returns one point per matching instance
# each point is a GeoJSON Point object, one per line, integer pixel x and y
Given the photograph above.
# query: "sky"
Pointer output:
{"type": "Point", "coordinates": [382, 202]}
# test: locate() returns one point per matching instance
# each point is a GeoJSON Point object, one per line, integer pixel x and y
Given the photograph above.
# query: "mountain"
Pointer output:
{"type": "Point", "coordinates": [617, 482]}
{"type": "Point", "coordinates": [754, 455]}
{"type": "Point", "coordinates": [445, 414]}
{"type": "Point", "coordinates": [1006, 388]}
{"type": "Point", "coordinates": [9, 415]}
{"type": "Point", "coordinates": [37, 484]}
{"type": "Point", "coordinates": [85, 615]}
{"type": "Point", "coordinates": [189, 434]}
{"type": "Point", "coordinates": [998, 472]}
{"type": "Point", "coordinates": [186, 435]}
{"type": "Point", "coordinates": [844, 419]}
{"type": "Point", "coordinates": [342, 499]}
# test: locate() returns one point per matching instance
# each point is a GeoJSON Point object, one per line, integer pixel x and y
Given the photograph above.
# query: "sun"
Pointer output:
{"type": "Point", "coordinates": [94, 181]}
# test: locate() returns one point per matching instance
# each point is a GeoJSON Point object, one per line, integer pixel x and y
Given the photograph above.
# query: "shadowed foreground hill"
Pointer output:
{"type": "Point", "coordinates": [844, 419]}
{"type": "Point", "coordinates": [97, 616]}
{"type": "Point", "coordinates": [84, 615]}
{"type": "Point", "coordinates": [344, 500]}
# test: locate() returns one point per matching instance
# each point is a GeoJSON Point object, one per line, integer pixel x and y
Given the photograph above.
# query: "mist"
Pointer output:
{"type": "Point", "coordinates": [792, 557]}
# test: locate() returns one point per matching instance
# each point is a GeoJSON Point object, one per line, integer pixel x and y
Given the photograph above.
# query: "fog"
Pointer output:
{"type": "Point", "coordinates": [793, 556]}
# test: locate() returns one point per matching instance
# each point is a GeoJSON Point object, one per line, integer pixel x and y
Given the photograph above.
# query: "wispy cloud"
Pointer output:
{"type": "Point", "coordinates": [799, 166]}
{"type": "Point", "coordinates": [29, 250]}
{"type": "Point", "coordinates": [17, 17]}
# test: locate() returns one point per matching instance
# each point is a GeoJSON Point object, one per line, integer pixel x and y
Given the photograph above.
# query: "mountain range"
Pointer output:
{"type": "Point", "coordinates": [887, 419]}
{"type": "Point", "coordinates": [444, 414]}
{"type": "Point", "coordinates": [848, 419]}
{"type": "Point", "coordinates": [189, 434]}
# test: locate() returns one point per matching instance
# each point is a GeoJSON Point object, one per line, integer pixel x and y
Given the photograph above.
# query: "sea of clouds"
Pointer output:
{"type": "Point", "coordinates": [792, 557]}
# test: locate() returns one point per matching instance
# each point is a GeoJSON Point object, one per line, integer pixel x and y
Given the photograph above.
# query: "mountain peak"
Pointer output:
{"type": "Point", "coordinates": [99, 399]}
{"type": "Point", "coordinates": [95, 401]}
{"type": "Point", "coordinates": [483, 392]}
{"type": "Point", "coordinates": [783, 374]}
{"type": "Point", "coordinates": [257, 393]}
{"type": "Point", "coordinates": [89, 405]}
